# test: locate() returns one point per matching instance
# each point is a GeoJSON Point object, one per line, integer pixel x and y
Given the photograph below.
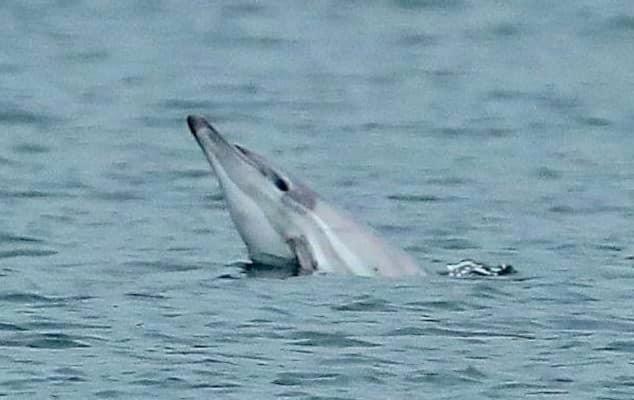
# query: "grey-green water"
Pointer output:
{"type": "Point", "coordinates": [500, 131]}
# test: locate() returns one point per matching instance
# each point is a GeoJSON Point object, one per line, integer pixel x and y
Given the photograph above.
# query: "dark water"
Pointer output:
{"type": "Point", "coordinates": [500, 131]}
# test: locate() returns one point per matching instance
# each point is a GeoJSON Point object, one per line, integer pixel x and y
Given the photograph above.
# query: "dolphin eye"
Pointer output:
{"type": "Point", "coordinates": [281, 184]}
{"type": "Point", "coordinates": [260, 163]}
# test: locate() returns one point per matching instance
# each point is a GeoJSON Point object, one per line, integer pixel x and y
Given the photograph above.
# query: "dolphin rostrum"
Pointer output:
{"type": "Point", "coordinates": [285, 223]}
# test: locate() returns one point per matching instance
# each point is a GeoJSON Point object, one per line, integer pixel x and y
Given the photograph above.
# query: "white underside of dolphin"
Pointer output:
{"type": "Point", "coordinates": [283, 222]}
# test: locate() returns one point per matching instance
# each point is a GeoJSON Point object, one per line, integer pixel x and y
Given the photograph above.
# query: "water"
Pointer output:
{"type": "Point", "coordinates": [499, 131]}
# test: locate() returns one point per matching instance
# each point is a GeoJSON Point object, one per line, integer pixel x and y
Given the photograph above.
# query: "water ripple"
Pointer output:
{"type": "Point", "coordinates": [146, 296]}
{"type": "Point", "coordinates": [14, 239]}
{"type": "Point", "coordinates": [621, 23]}
{"type": "Point", "coordinates": [32, 194]}
{"type": "Point", "coordinates": [366, 303]}
{"type": "Point", "coordinates": [500, 334]}
{"type": "Point", "coordinates": [116, 196]}
{"type": "Point", "coordinates": [112, 394]}
{"type": "Point", "coordinates": [24, 297]}
{"type": "Point", "coordinates": [160, 266]}
{"type": "Point", "coordinates": [442, 305]}
{"type": "Point", "coordinates": [90, 56]}
{"type": "Point", "coordinates": [10, 327]}
{"type": "Point", "coordinates": [441, 378]}
{"type": "Point", "coordinates": [430, 4]}
{"type": "Point", "coordinates": [44, 341]}
{"type": "Point", "coordinates": [546, 173]}
{"type": "Point", "coordinates": [31, 148]}
{"type": "Point", "coordinates": [420, 198]}
{"type": "Point", "coordinates": [26, 253]}
{"type": "Point", "coordinates": [184, 105]}
{"type": "Point", "coordinates": [323, 339]}
{"type": "Point", "coordinates": [619, 346]}
{"type": "Point", "coordinates": [595, 122]}
{"type": "Point", "coordinates": [17, 116]}
{"type": "Point", "coordinates": [309, 378]}
{"type": "Point", "coordinates": [454, 243]}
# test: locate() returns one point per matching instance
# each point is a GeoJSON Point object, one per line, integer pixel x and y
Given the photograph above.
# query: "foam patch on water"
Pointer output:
{"type": "Point", "coordinates": [469, 267]}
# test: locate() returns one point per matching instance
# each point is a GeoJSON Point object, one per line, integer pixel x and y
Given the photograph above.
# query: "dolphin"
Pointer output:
{"type": "Point", "coordinates": [285, 223]}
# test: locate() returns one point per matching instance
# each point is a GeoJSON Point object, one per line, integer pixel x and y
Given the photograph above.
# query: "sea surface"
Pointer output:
{"type": "Point", "coordinates": [501, 131]}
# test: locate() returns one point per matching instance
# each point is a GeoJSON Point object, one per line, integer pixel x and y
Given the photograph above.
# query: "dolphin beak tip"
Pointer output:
{"type": "Point", "coordinates": [195, 123]}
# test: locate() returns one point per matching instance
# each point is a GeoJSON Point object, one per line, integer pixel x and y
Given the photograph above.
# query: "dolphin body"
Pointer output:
{"type": "Point", "coordinates": [284, 223]}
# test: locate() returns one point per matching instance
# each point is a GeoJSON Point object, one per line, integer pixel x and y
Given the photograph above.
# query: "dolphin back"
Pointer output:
{"type": "Point", "coordinates": [360, 250]}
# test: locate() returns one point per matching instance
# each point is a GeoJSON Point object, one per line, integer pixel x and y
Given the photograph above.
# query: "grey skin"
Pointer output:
{"type": "Point", "coordinates": [285, 223]}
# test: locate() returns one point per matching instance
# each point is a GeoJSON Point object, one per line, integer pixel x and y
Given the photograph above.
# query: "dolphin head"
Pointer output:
{"type": "Point", "coordinates": [258, 195]}
{"type": "Point", "coordinates": [235, 165]}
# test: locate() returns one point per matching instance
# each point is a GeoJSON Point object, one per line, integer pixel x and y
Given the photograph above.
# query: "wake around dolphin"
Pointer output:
{"type": "Point", "coordinates": [285, 223]}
